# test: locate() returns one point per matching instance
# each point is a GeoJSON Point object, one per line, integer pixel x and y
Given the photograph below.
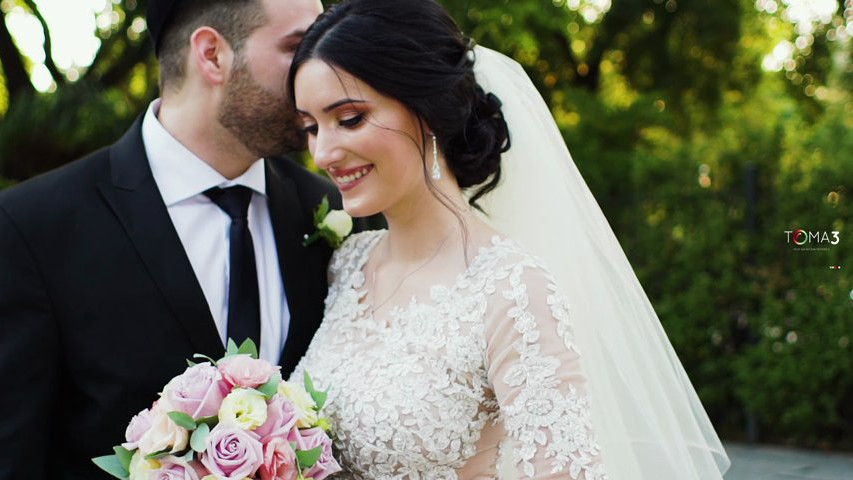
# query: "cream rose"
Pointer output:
{"type": "Point", "coordinates": [339, 222]}
{"type": "Point", "coordinates": [140, 468]}
{"type": "Point", "coordinates": [244, 408]}
{"type": "Point", "coordinates": [306, 415]}
{"type": "Point", "coordinates": [163, 434]}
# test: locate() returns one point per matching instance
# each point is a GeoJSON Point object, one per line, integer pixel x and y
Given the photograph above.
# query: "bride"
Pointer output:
{"type": "Point", "coordinates": [511, 344]}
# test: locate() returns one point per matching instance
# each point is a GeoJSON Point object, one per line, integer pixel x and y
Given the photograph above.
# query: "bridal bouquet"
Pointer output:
{"type": "Point", "coordinates": [231, 419]}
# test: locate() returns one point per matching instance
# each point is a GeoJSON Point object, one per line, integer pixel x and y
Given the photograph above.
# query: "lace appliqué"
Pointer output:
{"type": "Point", "coordinates": [542, 416]}
{"type": "Point", "coordinates": [409, 400]}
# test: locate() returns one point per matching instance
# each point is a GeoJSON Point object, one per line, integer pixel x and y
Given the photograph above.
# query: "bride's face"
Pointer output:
{"type": "Point", "coordinates": [367, 142]}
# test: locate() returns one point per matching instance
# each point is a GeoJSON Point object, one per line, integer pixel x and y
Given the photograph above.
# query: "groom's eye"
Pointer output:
{"type": "Point", "coordinates": [351, 122]}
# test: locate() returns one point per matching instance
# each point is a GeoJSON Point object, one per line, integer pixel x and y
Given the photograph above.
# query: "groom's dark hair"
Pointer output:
{"type": "Point", "coordinates": [412, 51]}
{"type": "Point", "coordinates": [233, 19]}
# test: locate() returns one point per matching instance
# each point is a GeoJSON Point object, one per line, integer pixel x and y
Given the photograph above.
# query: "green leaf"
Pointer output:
{"type": "Point", "coordinates": [182, 420]}
{"type": "Point", "coordinates": [307, 458]}
{"type": "Point", "coordinates": [231, 348]}
{"type": "Point", "coordinates": [198, 442]}
{"type": "Point", "coordinates": [248, 347]}
{"type": "Point", "coordinates": [322, 210]}
{"type": "Point", "coordinates": [190, 363]}
{"type": "Point", "coordinates": [156, 455]}
{"type": "Point", "coordinates": [210, 421]}
{"type": "Point", "coordinates": [189, 456]}
{"type": "Point", "coordinates": [112, 465]}
{"type": "Point", "coordinates": [318, 397]}
{"type": "Point", "coordinates": [269, 388]}
{"type": "Point", "coordinates": [124, 455]}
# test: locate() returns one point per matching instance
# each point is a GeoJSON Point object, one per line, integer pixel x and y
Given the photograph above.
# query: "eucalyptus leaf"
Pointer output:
{"type": "Point", "coordinates": [198, 442]}
{"type": "Point", "coordinates": [318, 397]}
{"type": "Point", "coordinates": [248, 347]}
{"type": "Point", "coordinates": [112, 465]}
{"type": "Point", "coordinates": [124, 455]}
{"type": "Point", "coordinates": [190, 363]}
{"type": "Point", "coordinates": [210, 421]}
{"type": "Point", "coordinates": [182, 420]}
{"type": "Point", "coordinates": [189, 456]}
{"type": "Point", "coordinates": [268, 389]}
{"type": "Point", "coordinates": [231, 348]}
{"type": "Point", "coordinates": [156, 455]}
{"type": "Point", "coordinates": [307, 458]}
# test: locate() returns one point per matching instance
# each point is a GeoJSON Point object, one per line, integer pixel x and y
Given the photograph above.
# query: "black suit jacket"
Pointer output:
{"type": "Point", "coordinates": [100, 307]}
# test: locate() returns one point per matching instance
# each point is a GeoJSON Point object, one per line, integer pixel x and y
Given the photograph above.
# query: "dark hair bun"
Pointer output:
{"type": "Point", "coordinates": [474, 154]}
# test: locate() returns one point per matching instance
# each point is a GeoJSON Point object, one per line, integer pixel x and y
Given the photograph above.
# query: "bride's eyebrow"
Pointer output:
{"type": "Point", "coordinates": [343, 101]}
{"type": "Point", "coordinates": [333, 106]}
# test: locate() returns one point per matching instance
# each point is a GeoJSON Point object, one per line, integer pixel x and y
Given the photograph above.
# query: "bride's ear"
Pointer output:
{"type": "Point", "coordinates": [210, 55]}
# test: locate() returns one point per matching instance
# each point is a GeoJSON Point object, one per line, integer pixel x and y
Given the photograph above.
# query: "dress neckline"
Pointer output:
{"type": "Point", "coordinates": [397, 310]}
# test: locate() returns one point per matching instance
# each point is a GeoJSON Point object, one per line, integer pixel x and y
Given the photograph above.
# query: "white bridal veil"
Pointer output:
{"type": "Point", "coordinates": [647, 417]}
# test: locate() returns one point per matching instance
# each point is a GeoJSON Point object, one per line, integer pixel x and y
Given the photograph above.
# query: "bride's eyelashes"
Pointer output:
{"type": "Point", "coordinates": [350, 122]}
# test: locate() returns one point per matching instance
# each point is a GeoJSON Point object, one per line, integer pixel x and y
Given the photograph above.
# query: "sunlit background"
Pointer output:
{"type": "Point", "coordinates": [74, 27]}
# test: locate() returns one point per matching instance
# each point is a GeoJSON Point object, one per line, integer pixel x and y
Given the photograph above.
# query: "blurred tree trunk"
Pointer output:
{"type": "Point", "coordinates": [14, 71]}
{"type": "Point", "coordinates": [39, 132]}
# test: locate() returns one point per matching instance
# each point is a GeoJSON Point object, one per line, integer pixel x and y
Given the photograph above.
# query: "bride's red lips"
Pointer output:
{"type": "Point", "coordinates": [342, 172]}
{"type": "Point", "coordinates": [338, 174]}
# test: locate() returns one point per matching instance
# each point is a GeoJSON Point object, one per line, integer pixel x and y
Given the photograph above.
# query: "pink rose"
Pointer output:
{"type": "Point", "coordinates": [232, 453]}
{"type": "Point", "coordinates": [279, 461]}
{"type": "Point", "coordinates": [245, 371]}
{"type": "Point", "coordinates": [139, 424]}
{"type": "Point", "coordinates": [326, 464]}
{"type": "Point", "coordinates": [198, 391]}
{"type": "Point", "coordinates": [174, 468]}
{"type": "Point", "coordinates": [281, 417]}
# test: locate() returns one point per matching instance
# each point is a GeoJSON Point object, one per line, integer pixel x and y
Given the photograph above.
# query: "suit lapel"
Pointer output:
{"type": "Point", "coordinates": [289, 226]}
{"type": "Point", "coordinates": [134, 197]}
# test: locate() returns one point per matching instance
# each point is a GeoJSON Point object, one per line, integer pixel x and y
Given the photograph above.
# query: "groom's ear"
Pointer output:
{"type": "Point", "coordinates": [211, 55]}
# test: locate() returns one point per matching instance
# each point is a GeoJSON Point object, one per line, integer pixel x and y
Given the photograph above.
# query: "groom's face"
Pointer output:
{"type": "Point", "coordinates": [255, 106]}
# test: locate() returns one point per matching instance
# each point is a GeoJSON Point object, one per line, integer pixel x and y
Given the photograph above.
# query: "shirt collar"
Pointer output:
{"type": "Point", "coordinates": [179, 173]}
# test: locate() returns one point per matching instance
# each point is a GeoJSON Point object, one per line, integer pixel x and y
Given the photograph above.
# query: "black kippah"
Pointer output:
{"type": "Point", "coordinates": [159, 14]}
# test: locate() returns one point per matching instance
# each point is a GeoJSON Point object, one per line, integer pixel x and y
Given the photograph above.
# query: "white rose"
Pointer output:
{"type": "Point", "coordinates": [302, 402]}
{"type": "Point", "coordinates": [163, 434]}
{"type": "Point", "coordinates": [140, 467]}
{"type": "Point", "coordinates": [339, 222]}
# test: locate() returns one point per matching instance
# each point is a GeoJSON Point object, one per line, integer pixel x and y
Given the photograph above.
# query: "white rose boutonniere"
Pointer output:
{"type": "Point", "coordinates": [332, 225]}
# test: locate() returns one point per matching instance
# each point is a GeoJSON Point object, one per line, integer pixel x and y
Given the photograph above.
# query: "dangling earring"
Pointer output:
{"type": "Point", "coordinates": [436, 169]}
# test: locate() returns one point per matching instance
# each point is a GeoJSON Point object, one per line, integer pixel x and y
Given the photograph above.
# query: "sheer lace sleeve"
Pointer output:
{"type": "Point", "coordinates": [534, 368]}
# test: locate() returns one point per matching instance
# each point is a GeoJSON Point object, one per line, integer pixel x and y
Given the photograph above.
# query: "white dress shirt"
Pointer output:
{"type": "Point", "coordinates": [203, 228]}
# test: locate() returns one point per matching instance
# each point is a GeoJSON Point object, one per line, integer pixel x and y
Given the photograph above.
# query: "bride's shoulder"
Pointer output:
{"type": "Point", "coordinates": [507, 253]}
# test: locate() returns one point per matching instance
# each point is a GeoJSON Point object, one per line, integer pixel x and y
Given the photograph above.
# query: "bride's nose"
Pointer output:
{"type": "Point", "coordinates": [327, 150]}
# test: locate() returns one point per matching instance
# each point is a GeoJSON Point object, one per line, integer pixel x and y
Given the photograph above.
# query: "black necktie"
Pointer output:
{"type": "Point", "coordinates": [244, 306]}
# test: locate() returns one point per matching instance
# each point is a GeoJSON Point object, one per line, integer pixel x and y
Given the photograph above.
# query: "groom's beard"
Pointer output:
{"type": "Point", "coordinates": [263, 120]}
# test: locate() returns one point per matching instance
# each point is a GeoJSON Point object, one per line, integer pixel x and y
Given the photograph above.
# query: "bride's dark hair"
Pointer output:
{"type": "Point", "coordinates": [413, 52]}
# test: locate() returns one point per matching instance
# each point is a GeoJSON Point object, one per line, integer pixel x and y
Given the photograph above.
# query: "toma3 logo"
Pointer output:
{"type": "Point", "coordinates": [802, 237]}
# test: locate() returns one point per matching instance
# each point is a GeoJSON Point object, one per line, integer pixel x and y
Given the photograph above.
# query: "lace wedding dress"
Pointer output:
{"type": "Point", "coordinates": [480, 366]}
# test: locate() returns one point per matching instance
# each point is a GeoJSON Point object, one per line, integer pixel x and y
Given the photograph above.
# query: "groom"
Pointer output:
{"type": "Point", "coordinates": [117, 267]}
